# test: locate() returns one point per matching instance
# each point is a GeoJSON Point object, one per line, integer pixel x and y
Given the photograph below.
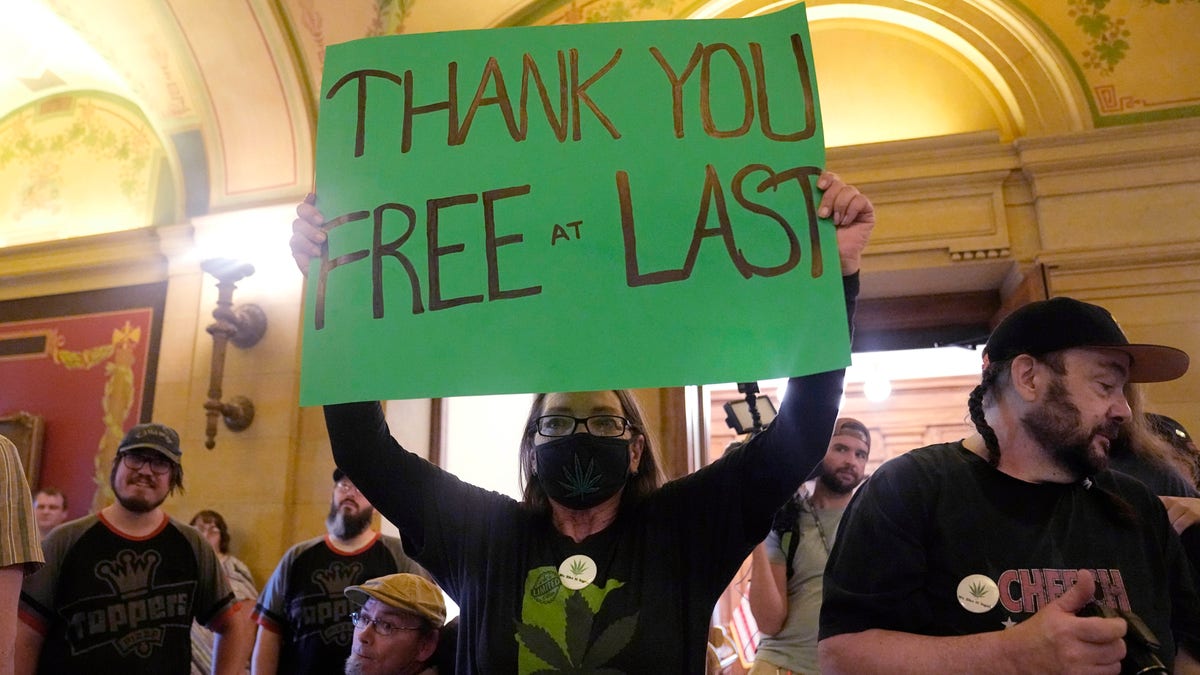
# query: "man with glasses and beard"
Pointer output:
{"type": "Point", "coordinates": [786, 568]}
{"type": "Point", "coordinates": [1016, 550]}
{"type": "Point", "coordinates": [120, 589]}
{"type": "Point", "coordinates": [303, 614]}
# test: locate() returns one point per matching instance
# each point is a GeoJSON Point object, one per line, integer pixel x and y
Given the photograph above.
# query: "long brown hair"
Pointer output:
{"type": "Point", "coordinates": [641, 484]}
{"type": "Point", "coordinates": [1145, 440]}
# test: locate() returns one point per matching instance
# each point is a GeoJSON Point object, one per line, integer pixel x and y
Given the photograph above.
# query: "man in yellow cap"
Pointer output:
{"type": "Point", "coordinates": [396, 626]}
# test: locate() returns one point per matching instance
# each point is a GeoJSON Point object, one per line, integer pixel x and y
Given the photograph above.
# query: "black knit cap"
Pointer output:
{"type": "Point", "coordinates": [1040, 328]}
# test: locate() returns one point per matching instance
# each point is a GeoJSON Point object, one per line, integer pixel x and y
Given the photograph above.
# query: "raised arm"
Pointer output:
{"type": "Point", "coordinates": [796, 441]}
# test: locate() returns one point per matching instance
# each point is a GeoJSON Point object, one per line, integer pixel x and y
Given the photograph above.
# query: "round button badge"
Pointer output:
{"type": "Point", "coordinates": [977, 593]}
{"type": "Point", "coordinates": [577, 572]}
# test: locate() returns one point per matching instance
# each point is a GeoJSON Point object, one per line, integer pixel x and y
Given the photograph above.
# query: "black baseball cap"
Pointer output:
{"type": "Point", "coordinates": [338, 474]}
{"type": "Point", "coordinates": [1052, 325]}
{"type": "Point", "coordinates": [1170, 429]}
{"type": "Point", "coordinates": [158, 437]}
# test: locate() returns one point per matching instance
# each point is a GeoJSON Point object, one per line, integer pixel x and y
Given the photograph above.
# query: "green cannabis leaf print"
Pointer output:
{"type": "Point", "coordinates": [559, 631]}
{"type": "Point", "coordinates": [579, 481]}
{"type": "Point", "coordinates": [582, 654]}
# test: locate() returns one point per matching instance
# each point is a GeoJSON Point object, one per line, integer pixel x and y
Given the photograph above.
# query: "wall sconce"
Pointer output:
{"type": "Point", "coordinates": [244, 327]}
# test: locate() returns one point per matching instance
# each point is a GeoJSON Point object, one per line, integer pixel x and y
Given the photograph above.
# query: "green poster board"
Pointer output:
{"type": "Point", "coordinates": [571, 208]}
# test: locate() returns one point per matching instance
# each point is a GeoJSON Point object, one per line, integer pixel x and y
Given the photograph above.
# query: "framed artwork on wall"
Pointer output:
{"type": "Point", "coordinates": [85, 364]}
{"type": "Point", "coordinates": [25, 431]}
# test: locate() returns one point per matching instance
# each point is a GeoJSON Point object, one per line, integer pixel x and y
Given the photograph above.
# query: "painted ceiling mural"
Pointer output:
{"type": "Point", "coordinates": [1139, 58]}
{"type": "Point", "coordinates": [1136, 59]}
{"type": "Point", "coordinates": [77, 153]}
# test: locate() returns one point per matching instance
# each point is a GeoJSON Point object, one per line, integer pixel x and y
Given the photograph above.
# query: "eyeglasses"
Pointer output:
{"type": "Point", "coordinates": [134, 461]}
{"type": "Point", "coordinates": [605, 426]}
{"type": "Point", "coordinates": [361, 621]}
{"type": "Point", "coordinates": [345, 486]}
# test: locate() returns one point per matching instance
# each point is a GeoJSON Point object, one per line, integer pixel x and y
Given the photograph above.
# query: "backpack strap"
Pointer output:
{"type": "Point", "coordinates": [787, 524]}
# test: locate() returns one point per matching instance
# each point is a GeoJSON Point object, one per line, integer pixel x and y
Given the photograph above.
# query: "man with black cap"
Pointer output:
{"type": "Point", "coordinates": [996, 553]}
{"type": "Point", "coordinates": [302, 612]}
{"type": "Point", "coordinates": [1185, 454]}
{"type": "Point", "coordinates": [396, 625]}
{"type": "Point", "coordinates": [787, 568]}
{"type": "Point", "coordinates": [120, 589]}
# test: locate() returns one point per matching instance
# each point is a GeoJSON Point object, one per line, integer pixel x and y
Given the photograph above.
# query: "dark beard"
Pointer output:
{"type": "Point", "coordinates": [346, 526]}
{"type": "Point", "coordinates": [1056, 427]}
{"type": "Point", "coordinates": [137, 504]}
{"type": "Point", "coordinates": [830, 480]}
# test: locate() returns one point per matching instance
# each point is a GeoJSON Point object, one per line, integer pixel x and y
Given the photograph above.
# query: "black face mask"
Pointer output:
{"type": "Point", "coordinates": [581, 470]}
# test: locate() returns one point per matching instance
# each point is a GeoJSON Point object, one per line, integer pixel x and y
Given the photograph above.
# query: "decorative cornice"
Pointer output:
{"type": "Point", "coordinates": [113, 259]}
{"type": "Point", "coordinates": [1126, 257]}
{"type": "Point", "coordinates": [1099, 160]}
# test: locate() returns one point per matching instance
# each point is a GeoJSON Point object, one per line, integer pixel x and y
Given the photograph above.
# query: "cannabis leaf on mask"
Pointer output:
{"type": "Point", "coordinates": [579, 481]}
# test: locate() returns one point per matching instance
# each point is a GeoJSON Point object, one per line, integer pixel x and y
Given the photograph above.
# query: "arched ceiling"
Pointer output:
{"type": "Point", "coordinates": [224, 91]}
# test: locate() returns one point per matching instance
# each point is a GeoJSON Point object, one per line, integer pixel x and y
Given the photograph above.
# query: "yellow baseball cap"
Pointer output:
{"type": "Point", "coordinates": [407, 592]}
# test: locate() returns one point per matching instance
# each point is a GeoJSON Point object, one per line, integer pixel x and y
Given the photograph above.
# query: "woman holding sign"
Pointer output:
{"type": "Point", "coordinates": [600, 567]}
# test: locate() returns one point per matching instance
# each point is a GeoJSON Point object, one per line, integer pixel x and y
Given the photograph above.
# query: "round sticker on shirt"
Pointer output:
{"type": "Point", "coordinates": [977, 593]}
{"type": "Point", "coordinates": [577, 572]}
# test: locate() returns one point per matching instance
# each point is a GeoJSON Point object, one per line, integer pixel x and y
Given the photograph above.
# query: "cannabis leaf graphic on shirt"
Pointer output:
{"type": "Point", "coordinates": [582, 653]}
{"type": "Point", "coordinates": [580, 482]}
{"type": "Point", "coordinates": [978, 590]}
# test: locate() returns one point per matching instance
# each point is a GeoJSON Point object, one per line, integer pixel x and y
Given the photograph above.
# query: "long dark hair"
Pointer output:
{"type": "Point", "coordinates": [647, 479]}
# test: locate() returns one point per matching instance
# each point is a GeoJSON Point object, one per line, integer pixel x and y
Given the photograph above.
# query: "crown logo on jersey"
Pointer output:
{"type": "Point", "coordinates": [335, 578]}
{"type": "Point", "coordinates": [130, 573]}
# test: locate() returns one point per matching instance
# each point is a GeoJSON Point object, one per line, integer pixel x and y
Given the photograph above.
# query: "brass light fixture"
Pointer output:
{"type": "Point", "coordinates": [244, 326]}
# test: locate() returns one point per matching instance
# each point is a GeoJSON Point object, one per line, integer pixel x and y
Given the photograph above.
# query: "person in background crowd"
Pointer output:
{"type": "Point", "coordinates": [1144, 450]}
{"type": "Point", "coordinates": [599, 566]}
{"type": "Point", "coordinates": [120, 588]}
{"type": "Point", "coordinates": [302, 613]}
{"type": "Point", "coordinates": [212, 527]}
{"type": "Point", "coordinates": [20, 552]}
{"type": "Point", "coordinates": [981, 555]}
{"type": "Point", "coordinates": [396, 626]}
{"type": "Point", "coordinates": [787, 568]}
{"type": "Point", "coordinates": [50, 505]}
{"type": "Point", "coordinates": [1186, 454]}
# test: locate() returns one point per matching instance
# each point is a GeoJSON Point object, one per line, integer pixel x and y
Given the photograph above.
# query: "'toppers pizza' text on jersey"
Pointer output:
{"type": "Point", "coordinates": [108, 603]}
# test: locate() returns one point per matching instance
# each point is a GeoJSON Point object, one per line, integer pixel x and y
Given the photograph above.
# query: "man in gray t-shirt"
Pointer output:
{"type": "Point", "coordinates": [786, 569]}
